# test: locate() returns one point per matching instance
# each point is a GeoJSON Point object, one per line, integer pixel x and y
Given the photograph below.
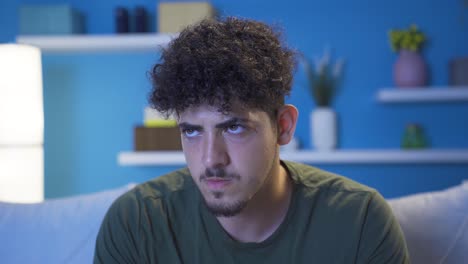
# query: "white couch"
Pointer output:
{"type": "Point", "coordinates": [55, 231]}
{"type": "Point", "coordinates": [435, 225]}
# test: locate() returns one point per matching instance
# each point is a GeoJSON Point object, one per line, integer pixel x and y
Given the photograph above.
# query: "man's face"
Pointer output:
{"type": "Point", "coordinates": [230, 156]}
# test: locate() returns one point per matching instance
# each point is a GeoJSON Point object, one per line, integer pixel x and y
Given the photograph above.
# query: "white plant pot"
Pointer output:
{"type": "Point", "coordinates": [323, 128]}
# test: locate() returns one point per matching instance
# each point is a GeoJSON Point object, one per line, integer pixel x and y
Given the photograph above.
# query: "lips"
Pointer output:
{"type": "Point", "coordinates": [217, 183]}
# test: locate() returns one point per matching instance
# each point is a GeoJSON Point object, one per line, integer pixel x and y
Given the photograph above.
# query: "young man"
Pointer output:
{"type": "Point", "coordinates": [237, 202]}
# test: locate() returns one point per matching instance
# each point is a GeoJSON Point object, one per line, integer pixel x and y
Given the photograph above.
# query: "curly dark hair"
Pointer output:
{"type": "Point", "coordinates": [221, 62]}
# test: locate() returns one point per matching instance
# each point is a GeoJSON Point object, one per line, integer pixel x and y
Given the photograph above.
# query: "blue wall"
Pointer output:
{"type": "Point", "coordinates": [92, 101]}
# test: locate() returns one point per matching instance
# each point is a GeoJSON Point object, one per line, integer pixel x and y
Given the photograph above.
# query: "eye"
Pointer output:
{"type": "Point", "coordinates": [190, 132]}
{"type": "Point", "coordinates": [235, 129]}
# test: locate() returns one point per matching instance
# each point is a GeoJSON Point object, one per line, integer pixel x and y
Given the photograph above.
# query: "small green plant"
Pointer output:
{"type": "Point", "coordinates": [323, 79]}
{"type": "Point", "coordinates": [410, 39]}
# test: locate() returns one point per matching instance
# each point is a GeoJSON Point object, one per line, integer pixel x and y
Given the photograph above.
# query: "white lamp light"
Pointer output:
{"type": "Point", "coordinates": [21, 124]}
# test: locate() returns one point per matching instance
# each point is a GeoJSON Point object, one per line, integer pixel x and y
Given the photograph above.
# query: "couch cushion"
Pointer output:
{"type": "Point", "coordinates": [55, 231]}
{"type": "Point", "coordinates": [435, 224]}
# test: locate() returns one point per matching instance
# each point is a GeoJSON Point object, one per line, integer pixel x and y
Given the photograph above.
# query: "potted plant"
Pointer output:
{"type": "Point", "coordinates": [324, 80]}
{"type": "Point", "coordinates": [409, 69]}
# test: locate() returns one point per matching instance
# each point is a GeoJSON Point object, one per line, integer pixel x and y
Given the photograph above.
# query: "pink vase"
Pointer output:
{"type": "Point", "coordinates": [409, 70]}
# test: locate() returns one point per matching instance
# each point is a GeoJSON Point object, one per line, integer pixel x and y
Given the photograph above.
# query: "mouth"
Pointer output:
{"type": "Point", "coordinates": [217, 183]}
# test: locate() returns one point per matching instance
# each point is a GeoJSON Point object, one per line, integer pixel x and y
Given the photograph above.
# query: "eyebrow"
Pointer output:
{"type": "Point", "coordinates": [187, 126]}
{"type": "Point", "coordinates": [227, 123]}
{"type": "Point", "coordinates": [231, 121]}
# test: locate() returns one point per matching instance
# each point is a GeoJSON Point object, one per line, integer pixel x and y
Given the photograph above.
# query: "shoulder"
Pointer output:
{"type": "Point", "coordinates": [332, 196]}
{"type": "Point", "coordinates": [162, 187]}
{"type": "Point", "coordinates": [336, 198]}
{"type": "Point", "coordinates": [315, 179]}
{"type": "Point", "coordinates": [155, 193]}
{"type": "Point", "coordinates": [355, 209]}
{"type": "Point", "coordinates": [135, 214]}
{"type": "Point", "coordinates": [150, 197]}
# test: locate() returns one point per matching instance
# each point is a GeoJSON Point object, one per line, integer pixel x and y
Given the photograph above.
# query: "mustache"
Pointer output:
{"type": "Point", "coordinates": [217, 173]}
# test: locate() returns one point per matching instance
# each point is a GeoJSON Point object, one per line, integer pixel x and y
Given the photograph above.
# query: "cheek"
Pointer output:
{"type": "Point", "coordinates": [192, 154]}
{"type": "Point", "coordinates": [255, 155]}
{"type": "Point", "coordinates": [190, 147]}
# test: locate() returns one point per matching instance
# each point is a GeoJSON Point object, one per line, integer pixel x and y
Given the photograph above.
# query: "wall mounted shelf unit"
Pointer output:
{"type": "Point", "coordinates": [391, 156]}
{"type": "Point", "coordinates": [98, 43]}
{"type": "Point", "coordinates": [423, 94]}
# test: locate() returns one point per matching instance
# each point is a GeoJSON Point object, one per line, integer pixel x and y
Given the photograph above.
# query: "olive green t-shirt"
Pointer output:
{"type": "Point", "coordinates": [331, 219]}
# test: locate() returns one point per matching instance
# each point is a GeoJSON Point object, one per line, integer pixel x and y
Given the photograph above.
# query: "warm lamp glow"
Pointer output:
{"type": "Point", "coordinates": [21, 173]}
{"type": "Point", "coordinates": [21, 110]}
{"type": "Point", "coordinates": [21, 124]}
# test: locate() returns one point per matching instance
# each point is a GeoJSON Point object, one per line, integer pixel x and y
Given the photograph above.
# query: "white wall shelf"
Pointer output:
{"type": "Point", "coordinates": [423, 94]}
{"type": "Point", "coordinates": [149, 158]}
{"type": "Point", "coordinates": [101, 43]}
{"type": "Point", "coordinates": [391, 156]}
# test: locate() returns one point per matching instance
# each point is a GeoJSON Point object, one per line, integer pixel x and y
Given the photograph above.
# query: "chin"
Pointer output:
{"type": "Point", "coordinates": [220, 209]}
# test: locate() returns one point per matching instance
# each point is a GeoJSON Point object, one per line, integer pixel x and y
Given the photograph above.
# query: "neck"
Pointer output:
{"type": "Point", "coordinates": [265, 211]}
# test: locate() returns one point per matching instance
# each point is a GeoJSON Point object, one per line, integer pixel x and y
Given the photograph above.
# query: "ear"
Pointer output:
{"type": "Point", "coordinates": [286, 121]}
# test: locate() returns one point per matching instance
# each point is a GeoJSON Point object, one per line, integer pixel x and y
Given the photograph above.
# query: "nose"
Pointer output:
{"type": "Point", "coordinates": [214, 152]}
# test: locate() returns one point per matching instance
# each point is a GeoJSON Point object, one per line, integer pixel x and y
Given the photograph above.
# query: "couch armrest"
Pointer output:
{"type": "Point", "coordinates": [55, 231]}
{"type": "Point", "coordinates": [435, 224]}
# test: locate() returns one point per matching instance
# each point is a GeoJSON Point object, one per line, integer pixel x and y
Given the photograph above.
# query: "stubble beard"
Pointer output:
{"type": "Point", "coordinates": [236, 207]}
{"type": "Point", "coordinates": [226, 210]}
{"type": "Point", "coordinates": [222, 209]}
